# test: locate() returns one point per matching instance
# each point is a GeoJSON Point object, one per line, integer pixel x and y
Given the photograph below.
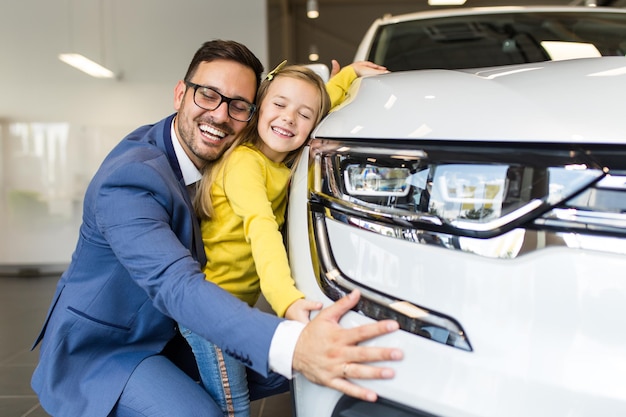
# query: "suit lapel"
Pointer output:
{"type": "Point", "coordinates": [197, 246]}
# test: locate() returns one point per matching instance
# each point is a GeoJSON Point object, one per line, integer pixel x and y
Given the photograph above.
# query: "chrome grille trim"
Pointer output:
{"type": "Point", "coordinates": [378, 306]}
{"type": "Point", "coordinates": [548, 231]}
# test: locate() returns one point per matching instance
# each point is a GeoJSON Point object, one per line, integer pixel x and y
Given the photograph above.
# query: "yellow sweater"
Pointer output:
{"type": "Point", "coordinates": [337, 86]}
{"type": "Point", "coordinates": [243, 242]}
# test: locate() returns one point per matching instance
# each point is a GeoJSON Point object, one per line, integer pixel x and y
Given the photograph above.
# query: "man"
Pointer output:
{"type": "Point", "coordinates": [136, 271]}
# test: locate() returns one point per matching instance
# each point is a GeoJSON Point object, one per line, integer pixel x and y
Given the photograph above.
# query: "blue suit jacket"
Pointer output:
{"type": "Point", "coordinates": [133, 275]}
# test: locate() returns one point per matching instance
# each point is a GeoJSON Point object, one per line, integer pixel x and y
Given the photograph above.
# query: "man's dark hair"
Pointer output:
{"type": "Point", "coordinates": [229, 50]}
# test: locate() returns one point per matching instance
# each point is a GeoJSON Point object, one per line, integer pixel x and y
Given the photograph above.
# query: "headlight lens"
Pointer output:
{"type": "Point", "coordinates": [463, 188]}
{"type": "Point", "coordinates": [377, 181]}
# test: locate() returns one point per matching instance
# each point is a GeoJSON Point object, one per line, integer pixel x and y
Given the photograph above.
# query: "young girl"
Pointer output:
{"type": "Point", "coordinates": [241, 202]}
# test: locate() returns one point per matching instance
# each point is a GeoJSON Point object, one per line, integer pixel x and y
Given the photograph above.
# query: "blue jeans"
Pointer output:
{"type": "Point", "coordinates": [223, 377]}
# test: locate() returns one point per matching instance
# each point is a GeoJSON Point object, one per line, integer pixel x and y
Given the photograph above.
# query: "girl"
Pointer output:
{"type": "Point", "coordinates": [244, 195]}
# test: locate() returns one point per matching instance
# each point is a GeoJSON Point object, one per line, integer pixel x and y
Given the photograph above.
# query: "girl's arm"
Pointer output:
{"type": "Point", "coordinates": [252, 187]}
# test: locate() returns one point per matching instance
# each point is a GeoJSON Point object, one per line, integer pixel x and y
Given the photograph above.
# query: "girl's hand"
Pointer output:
{"type": "Point", "coordinates": [300, 310]}
{"type": "Point", "coordinates": [365, 68]}
{"type": "Point", "coordinates": [362, 68]}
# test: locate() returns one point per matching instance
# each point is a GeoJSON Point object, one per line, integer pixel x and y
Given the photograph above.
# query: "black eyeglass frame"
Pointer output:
{"type": "Point", "coordinates": [223, 99]}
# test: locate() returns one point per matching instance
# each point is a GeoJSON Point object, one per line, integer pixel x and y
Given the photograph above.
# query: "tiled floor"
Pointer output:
{"type": "Point", "coordinates": [24, 301]}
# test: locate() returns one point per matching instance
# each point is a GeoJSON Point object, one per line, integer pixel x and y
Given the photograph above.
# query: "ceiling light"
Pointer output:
{"type": "Point", "coordinates": [86, 65]}
{"type": "Point", "coordinates": [79, 61]}
{"type": "Point", "coordinates": [312, 9]}
{"type": "Point", "coordinates": [446, 2]}
{"type": "Point", "coordinates": [314, 56]}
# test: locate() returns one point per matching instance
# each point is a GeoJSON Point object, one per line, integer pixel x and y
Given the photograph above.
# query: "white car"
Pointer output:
{"type": "Point", "coordinates": [488, 36]}
{"type": "Point", "coordinates": [485, 210]}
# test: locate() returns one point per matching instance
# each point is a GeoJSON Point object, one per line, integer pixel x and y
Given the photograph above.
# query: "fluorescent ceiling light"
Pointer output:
{"type": "Point", "coordinates": [446, 2]}
{"type": "Point", "coordinates": [86, 65]}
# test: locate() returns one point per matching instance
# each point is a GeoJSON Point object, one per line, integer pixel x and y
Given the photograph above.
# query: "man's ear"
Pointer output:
{"type": "Point", "coordinates": [179, 92]}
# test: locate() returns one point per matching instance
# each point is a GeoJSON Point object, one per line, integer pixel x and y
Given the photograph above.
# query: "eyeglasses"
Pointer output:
{"type": "Point", "coordinates": [208, 99]}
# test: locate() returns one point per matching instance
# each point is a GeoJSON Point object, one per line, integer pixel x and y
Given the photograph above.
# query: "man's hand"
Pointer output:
{"type": "Point", "coordinates": [327, 354]}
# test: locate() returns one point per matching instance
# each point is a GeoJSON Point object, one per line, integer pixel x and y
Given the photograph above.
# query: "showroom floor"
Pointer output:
{"type": "Point", "coordinates": [24, 302]}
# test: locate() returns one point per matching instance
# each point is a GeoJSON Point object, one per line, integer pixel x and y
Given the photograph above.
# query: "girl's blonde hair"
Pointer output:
{"type": "Point", "coordinates": [202, 203]}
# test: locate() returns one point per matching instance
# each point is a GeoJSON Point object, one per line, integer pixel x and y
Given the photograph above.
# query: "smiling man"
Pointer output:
{"type": "Point", "coordinates": [205, 135]}
{"type": "Point", "coordinates": [137, 266]}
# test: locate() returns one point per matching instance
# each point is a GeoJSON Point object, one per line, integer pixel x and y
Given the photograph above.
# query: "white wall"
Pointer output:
{"type": "Point", "coordinates": [56, 123]}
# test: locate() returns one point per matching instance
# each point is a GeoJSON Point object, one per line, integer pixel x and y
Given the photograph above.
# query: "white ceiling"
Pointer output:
{"type": "Point", "coordinates": [148, 42]}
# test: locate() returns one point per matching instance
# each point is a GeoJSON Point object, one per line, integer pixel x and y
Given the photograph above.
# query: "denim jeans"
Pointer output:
{"type": "Point", "coordinates": [223, 377]}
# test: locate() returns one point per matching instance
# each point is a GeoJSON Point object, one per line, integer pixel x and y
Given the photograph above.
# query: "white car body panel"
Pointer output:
{"type": "Point", "coordinates": [432, 106]}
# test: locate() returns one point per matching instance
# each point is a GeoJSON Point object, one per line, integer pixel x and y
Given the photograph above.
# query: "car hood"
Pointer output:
{"type": "Point", "coordinates": [573, 101]}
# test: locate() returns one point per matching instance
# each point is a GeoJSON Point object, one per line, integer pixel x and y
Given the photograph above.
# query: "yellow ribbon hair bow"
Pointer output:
{"type": "Point", "coordinates": [273, 72]}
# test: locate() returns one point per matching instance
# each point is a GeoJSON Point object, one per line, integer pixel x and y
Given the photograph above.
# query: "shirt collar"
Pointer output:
{"type": "Point", "coordinates": [191, 174]}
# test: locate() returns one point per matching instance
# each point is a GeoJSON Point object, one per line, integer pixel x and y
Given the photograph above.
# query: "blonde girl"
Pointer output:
{"type": "Point", "coordinates": [241, 201]}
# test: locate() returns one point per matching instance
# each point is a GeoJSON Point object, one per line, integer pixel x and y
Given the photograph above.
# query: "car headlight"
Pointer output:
{"type": "Point", "coordinates": [457, 196]}
{"type": "Point", "coordinates": [367, 179]}
{"type": "Point", "coordinates": [451, 190]}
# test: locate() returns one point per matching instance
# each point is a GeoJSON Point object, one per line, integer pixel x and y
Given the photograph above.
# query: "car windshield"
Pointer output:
{"type": "Point", "coordinates": [481, 40]}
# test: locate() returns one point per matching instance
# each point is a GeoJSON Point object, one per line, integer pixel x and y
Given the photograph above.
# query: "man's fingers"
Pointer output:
{"type": "Point", "coordinates": [353, 370]}
{"type": "Point", "coordinates": [365, 332]}
{"type": "Point", "coordinates": [358, 334]}
{"type": "Point", "coordinates": [358, 371]}
{"type": "Point", "coordinates": [354, 390]}
{"type": "Point", "coordinates": [376, 329]}
{"type": "Point", "coordinates": [340, 307]}
{"type": "Point", "coordinates": [358, 360]}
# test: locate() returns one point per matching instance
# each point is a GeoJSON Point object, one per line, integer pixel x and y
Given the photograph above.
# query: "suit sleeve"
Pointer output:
{"type": "Point", "coordinates": [143, 216]}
